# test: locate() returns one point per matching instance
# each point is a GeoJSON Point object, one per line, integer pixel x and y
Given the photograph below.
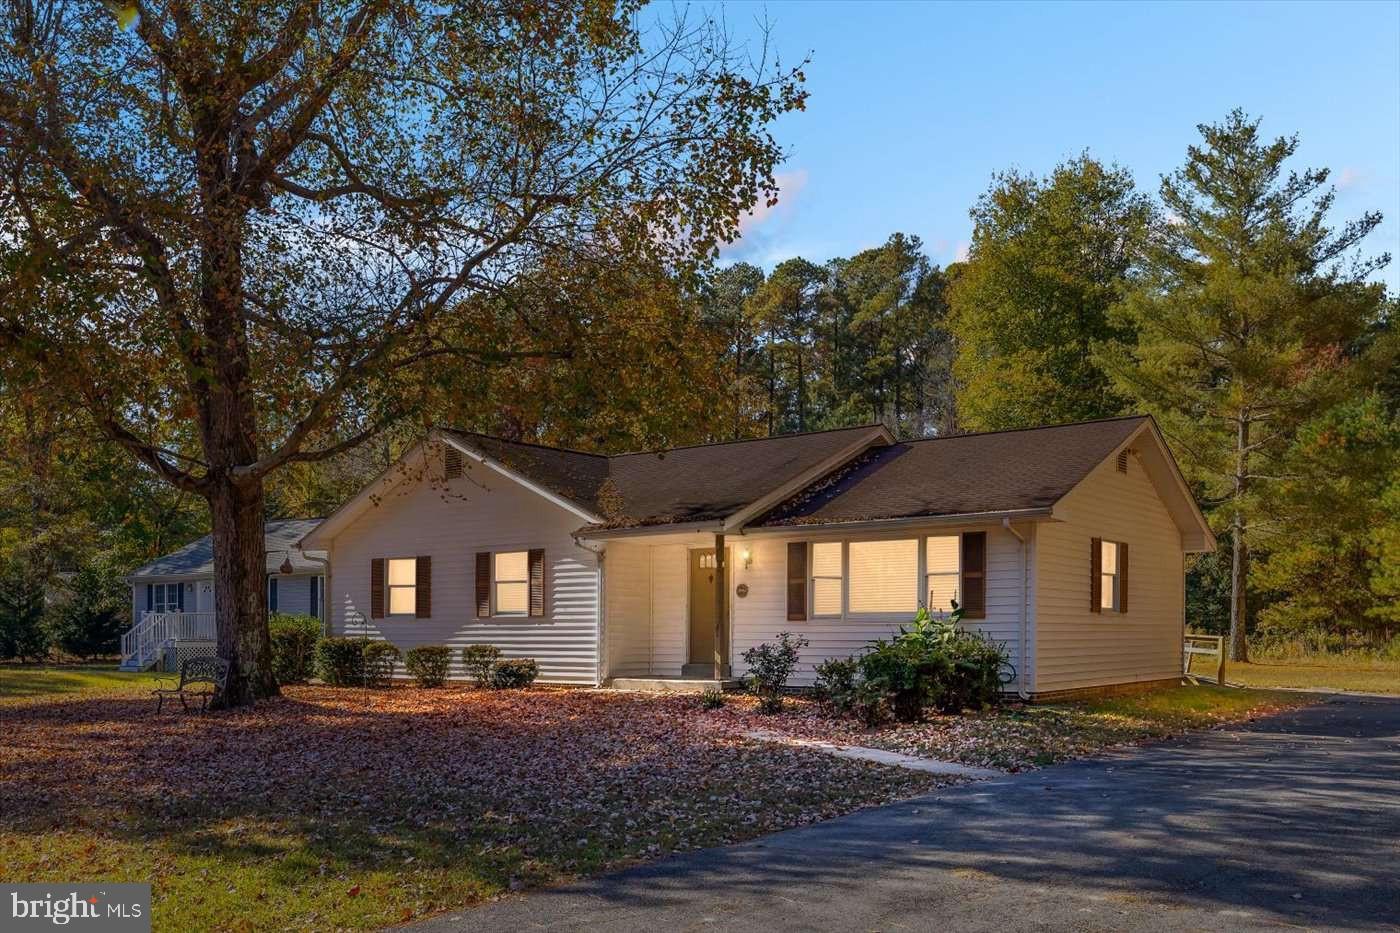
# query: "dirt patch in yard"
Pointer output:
{"type": "Point", "coordinates": [355, 808]}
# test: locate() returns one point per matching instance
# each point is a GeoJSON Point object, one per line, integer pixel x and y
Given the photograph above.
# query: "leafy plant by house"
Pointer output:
{"type": "Point", "coordinates": [836, 682]}
{"type": "Point", "coordinates": [428, 664]}
{"type": "Point", "coordinates": [380, 659]}
{"type": "Point", "coordinates": [340, 662]}
{"type": "Point", "coordinates": [509, 673]}
{"type": "Point", "coordinates": [770, 666]}
{"type": "Point", "coordinates": [294, 639]}
{"type": "Point", "coordinates": [712, 698]}
{"type": "Point", "coordinates": [479, 661]}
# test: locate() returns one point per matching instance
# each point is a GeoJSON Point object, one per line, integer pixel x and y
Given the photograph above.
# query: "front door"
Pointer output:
{"type": "Point", "coordinates": [702, 606]}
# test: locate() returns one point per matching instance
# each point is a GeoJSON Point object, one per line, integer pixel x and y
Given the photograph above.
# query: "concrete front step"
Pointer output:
{"type": "Point", "coordinates": [674, 684]}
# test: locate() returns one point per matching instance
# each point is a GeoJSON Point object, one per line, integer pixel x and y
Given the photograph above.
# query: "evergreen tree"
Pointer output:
{"type": "Point", "coordinates": [1244, 319]}
{"type": "Point", "coordinates": [23, 636]}
{"type": "Point", "coordinates": [89, 617]}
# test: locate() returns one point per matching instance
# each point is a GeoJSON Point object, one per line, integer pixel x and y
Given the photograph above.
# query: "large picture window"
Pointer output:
{"type": "Point", "coordinates": [884, 576]}
{"type": "Point", "coordinates": [403, 586]}
{"type": "Point", "coordinates": [826, 578]}
{"type": "Point", "coordinates": [512, 583]}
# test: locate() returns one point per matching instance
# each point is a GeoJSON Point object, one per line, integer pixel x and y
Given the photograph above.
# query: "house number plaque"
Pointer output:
{"type": "Point", "coordinates": [742, 590]}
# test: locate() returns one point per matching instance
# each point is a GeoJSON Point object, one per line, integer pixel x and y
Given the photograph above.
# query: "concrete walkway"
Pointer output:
{"type": "Point", "coordinates": [1292, 821]}
{"type": "Point", "coordinates": [881, 756]}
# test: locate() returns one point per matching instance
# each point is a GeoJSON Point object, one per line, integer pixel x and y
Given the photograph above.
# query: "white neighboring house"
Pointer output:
{"type": "Point", "coordinates": [173, 613]}
{"type": "Point", "coordinates": [659, 569]}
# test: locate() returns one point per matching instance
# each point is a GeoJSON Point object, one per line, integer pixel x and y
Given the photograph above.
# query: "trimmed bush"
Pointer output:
{"type": "Point", "coordinates": [340, 662]}
{"type": "Point", "coordinates": [294, 639]}
{"type": "Point", "coordinates": [770, 666]}
{"type": "Point", "coordinates": [836, 683]}
{"type": "Point", "coordinates": [508, 673]}
{"type": "Point", "coordinates": [380, 659]}
{"type": "Point", "coordinates": [428, 664]}
{"type": "Point", "coordinates": [479, 660]}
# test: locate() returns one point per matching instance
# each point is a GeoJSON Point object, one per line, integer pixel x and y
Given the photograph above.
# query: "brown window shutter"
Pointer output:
{"type": "Point", "coordinates": [974, 575]}
{"type": "Point", "coordinates": [483, 584]}
{"type": "Point", "coordinates": [1122, 578]}
{"type": "Point", "coordinates": [537, 581]}
{"type": "Point", "coordinates": [423, 588]}
{"type": "Point", "coordinates": [376, 588]}
{"type": "Point", "coordinates": [797, 581]}
{"type": "Point", "coordinates": [1095, 574]}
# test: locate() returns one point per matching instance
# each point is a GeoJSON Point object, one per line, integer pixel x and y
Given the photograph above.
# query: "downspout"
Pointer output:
{"type": "Point", "coordinates": [1025, 600]}
{"type": "Point", "coordinates": [600, 553]}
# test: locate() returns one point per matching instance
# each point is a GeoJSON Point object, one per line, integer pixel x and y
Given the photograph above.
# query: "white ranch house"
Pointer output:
{"type": "Point", "coordinates": [658, 569]}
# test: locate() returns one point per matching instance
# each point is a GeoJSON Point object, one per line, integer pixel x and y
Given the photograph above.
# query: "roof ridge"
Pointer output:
{"type": "Point", "coordinates": [1039, 427]}
{"type": "Point", "coordinates": [505, 440]}
{"type": "Point", "coordinates": [747, 440]}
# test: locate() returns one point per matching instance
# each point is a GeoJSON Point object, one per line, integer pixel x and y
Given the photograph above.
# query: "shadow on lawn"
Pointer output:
{"type": "Point", "coordinates": [1289, 829]}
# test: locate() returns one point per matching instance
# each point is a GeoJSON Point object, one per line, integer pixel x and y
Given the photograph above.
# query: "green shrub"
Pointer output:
{"type": "Point", "coordinates": [90, 612]}
{"type": "Point", "coordinates": [380, 658]}
{"type": "Point", "coordinates": [479, 660]}
{"type": "Point", "coordinates": [770, 666]}
{"type": "Point", "coordinates": [294, 639]}
{"type": "Point", "coordinates": [340, 662]}
{"type": "Point", "coordinates": [514, 672]}
{"type": "Point", "coordinates": [712, 698]}
{"type": "Point", "coordinates": [23, 635]}
{"type": "Point", "coordinates": [428, 664]}
{"type": "Point", "coordinates": [836, 683]}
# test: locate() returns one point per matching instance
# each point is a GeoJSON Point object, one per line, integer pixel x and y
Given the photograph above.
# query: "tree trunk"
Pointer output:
{"type": "Point", "coordinates": [240, 592]}
{"type": "Point", "coordinates": [1239, 564]}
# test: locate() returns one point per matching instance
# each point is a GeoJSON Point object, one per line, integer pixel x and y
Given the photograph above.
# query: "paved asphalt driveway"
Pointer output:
{"type": "Point", "coordinates": [1293, 821]}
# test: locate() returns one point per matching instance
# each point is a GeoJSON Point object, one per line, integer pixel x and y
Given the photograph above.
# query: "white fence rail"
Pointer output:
{"type": "Point", "coordinates": [1211, 646]}
{"type": "Point", "coordinates": [142, 644]}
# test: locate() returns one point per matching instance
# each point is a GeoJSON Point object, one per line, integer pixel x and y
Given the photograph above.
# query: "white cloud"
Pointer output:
{"type": "Point", "coordinates": [962, 252]}
{"type": "Point", "coordinates": [759, 228]}
{"type": "Point", "coordinates": [1349, 178]}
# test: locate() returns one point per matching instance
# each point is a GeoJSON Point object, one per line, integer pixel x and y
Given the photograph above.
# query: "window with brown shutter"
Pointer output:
{"type": "Point", "coordinates": [537, 581]}
{"type": "Point", "coordinates": [423, 595]}
{"type": "Point", "coordinates": [974, 575]}
{"type": "Point", "coordinates": [1095, 574]}
{"type": "Point", "coordinates": [483, 584]}
{"type": "Point", "coordinates": [797, 581]}
{"type": "Point", "coordinates": [376, 588]}
{"type": "Point", "coordinates": [1122, 578]}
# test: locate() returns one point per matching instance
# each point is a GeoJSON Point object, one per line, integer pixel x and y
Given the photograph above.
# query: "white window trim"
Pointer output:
{"type": "Point", "coordinates": [924, 573]}
{"type": "Point", "coordinates": [389, 588]}
{"type": "Point", "coordinates": [496, 611]}
{"type": "Point", "coordinates": [812, 578]}
{"type": "Point", "coordinates": [160, 597]}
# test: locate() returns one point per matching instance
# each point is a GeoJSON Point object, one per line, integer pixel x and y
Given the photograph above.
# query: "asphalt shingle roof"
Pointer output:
{"type": "Point", "coordinates": [280, 538]}
{"type": "Point", "coordinates": [964, 474]}
{"type": "Point", "coordinates": [682, 484]}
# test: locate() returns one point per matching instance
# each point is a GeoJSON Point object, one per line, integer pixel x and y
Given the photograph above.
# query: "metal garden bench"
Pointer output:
{"type": "Point", "coordinates": [200, 678]}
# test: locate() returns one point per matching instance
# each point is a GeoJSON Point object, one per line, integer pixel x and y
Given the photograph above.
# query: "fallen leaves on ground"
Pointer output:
{"type": "Point", "coordinates": [339, 807]}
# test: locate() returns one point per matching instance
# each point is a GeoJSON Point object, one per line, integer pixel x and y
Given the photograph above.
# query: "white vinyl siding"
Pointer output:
{"type": "Point", "coordinates": [1077, 647]}
{"type": "Point", "coordinates": [474, 513]}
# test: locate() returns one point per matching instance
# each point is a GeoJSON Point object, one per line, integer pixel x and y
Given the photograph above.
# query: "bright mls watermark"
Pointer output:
{"type": "Point", "coordinates": [119, 908]}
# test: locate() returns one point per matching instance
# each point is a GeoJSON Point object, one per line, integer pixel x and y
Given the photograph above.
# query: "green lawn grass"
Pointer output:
{"type": "Point", "coordinates": [1340, 673]}
{"type": "Point", "coordinates": [17, 680]}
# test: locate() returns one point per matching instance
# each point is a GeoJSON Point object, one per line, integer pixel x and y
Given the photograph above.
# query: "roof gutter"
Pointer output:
{"type": "Point", "coordinates": [962, 518]}
{"type": "Point", "coordinates": [714, 526]}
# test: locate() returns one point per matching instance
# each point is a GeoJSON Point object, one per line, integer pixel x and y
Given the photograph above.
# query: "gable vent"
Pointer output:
{"type": "Point", "coordinates": [451, 463]}
{"type": "Point", "coordinates": [1123, 460]}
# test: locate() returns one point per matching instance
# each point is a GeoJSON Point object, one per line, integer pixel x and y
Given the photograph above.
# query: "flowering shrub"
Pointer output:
{"type": "Point", "coordinates": [428, 664]}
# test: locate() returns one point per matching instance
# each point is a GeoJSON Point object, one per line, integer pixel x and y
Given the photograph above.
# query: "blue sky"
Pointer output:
{"type": "Point", "coordinates": [914, 106]}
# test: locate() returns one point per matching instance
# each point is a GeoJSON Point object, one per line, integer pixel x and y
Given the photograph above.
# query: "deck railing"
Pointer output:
{"type": "Point", "coordinates": [143, 641]}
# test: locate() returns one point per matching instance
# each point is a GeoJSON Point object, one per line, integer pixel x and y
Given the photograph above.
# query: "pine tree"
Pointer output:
{"type": "Point", "coordinates": [1244, 318]}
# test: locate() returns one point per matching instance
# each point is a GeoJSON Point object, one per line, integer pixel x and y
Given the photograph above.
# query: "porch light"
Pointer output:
{"type": "Point", "coordinates": [746, 555]}
{"type": "Point", "coordinates": [286, 567]}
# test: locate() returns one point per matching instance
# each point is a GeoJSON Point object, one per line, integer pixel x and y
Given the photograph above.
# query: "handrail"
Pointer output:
{"type": "Point", "coordinates": [156, 629]}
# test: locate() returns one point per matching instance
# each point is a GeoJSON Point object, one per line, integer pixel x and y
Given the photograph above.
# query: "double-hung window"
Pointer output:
{"type": "Point", "coordinates": [512, 582]}
{"type": "Point", "coordinates": [942, 570]}
{"type": "Point", "coordinates": [828, 578]}
{"type": "Point", "coordinates": [165, 597]}
{"type": "Point", "coordinates": [884, 577]}
{"type": "Point", "coordinates": [1108, 581]}
{"type": "Point", "coordinates": [402, 580]}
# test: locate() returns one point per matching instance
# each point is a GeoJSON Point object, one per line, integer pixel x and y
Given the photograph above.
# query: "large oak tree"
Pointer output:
{"type": "Point", "coordinates": [234, 233]}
